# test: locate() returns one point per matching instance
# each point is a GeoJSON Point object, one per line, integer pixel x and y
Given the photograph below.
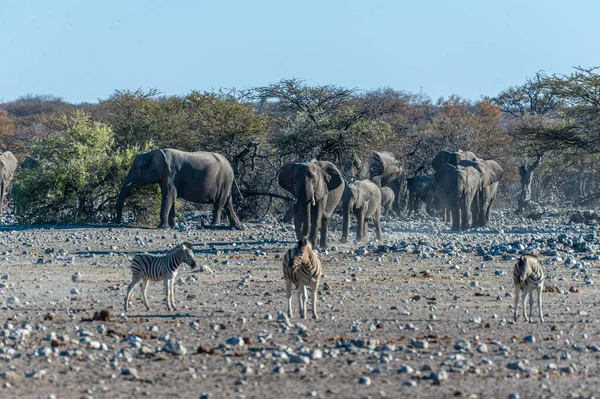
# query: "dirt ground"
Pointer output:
{"type": "Point", "coordinates": [420, 314]}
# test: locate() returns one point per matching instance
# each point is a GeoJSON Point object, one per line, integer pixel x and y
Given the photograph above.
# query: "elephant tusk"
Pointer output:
{"type": "Point", "coordinates": [313, 201]}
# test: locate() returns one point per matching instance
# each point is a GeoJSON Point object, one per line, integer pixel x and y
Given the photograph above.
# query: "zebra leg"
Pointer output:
{"type": "Point", "coordinates": [304, 301]}
{"type": "Point", "coordinates": [531, 306]}
{"type": "Point", "coordinates": [517, 293]}
{"type": "Point", "coordinates": [134, 281]}
{"type": "Point", "coordinates": [539, 295]}
{"type": "Point", "coordinates": [172, 283]}
{"type": "Point", "coordinates": [524, 305]}
{"type": "Point", "coordinates": [288, 292]}
{"type": "Point", "coordinates": [167, 293]}
{"type": "Point", "coordinates": [313, 287]}
{"type": "Point", "coordinates": [144, 291]}
{"type": "Point", "coordinates": [300, 301]}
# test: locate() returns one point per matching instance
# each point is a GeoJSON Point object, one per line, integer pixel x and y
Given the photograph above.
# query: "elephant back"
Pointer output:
{"type": "Point", "coordinates": [385, 168]}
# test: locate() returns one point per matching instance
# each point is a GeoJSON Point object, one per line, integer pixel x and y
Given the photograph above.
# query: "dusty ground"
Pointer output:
{"type": "Point", "coordinates": [422, 315]}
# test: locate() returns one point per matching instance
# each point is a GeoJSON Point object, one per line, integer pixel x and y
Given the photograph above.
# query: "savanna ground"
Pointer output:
{"type": "Point", "coordinates": [418, 315]}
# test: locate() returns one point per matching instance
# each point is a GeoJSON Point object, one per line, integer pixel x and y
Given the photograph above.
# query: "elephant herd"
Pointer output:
{"type": "Point", "coordinates": [462, 188]}
{"type": "Point", "coordinates": [462, 185]}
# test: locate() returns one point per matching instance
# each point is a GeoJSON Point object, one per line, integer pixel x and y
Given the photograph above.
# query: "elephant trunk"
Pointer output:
{"type": "Point", "coordinates": [125, 190]}
{"type": "Point", "coordinates": [346, 221]}
{"type": "Point", "coordinates": [307, 219]}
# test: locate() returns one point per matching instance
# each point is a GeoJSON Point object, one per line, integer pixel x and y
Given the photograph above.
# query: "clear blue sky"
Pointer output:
{"type": "Point", "coordinates": [84, 50]}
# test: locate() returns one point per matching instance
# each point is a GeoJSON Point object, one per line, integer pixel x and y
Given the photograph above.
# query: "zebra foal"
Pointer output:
{"type": "Point", "coordinates": [301, 266]}
{"type": "Point", "coordinates": [146, 267]}
{"type": "Point", "coordinates": [528, 275]}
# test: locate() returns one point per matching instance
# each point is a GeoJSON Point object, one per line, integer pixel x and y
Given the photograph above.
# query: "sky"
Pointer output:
{"type": "Point", "coordinates": [83, 51]}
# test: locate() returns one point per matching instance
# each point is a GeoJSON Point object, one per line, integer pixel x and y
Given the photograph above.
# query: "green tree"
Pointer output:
{"type": "Point", "coordinates": [78, 176]}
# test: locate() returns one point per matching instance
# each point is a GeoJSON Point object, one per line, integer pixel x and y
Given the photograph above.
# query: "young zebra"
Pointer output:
{"type": "Point", "coordinates": [528, 275]}
{"type": "Point", "coordinates": [302, 267]}
{"type": "Point", "coordinates": [145, 267]}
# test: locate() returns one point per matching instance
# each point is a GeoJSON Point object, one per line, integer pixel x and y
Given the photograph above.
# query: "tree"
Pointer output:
{"type": "Point", "coordinates": [77, 177]}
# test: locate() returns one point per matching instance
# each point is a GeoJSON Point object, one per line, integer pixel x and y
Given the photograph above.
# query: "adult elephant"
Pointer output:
{"type": "Point", "coordinates": [490, 173]}
{"type": "Point", "coordinates": [421, 189]}
{"type": "Point", "coordinates": [8, 165]}
{"type": "Point", "coordinates": [461, 184]}
{"type": "Point", "coordinates": [452, 158]}
{"type": "Point", "coordinates": [363, 198]}
{"type": "Point", "coordinates": [201, 177]}
{"type": "Point", "coordinates": [317, 187]}
{"type": "Point", "coordinates": [387, 200]}
{"type": "Point", "coordinates": [386, 169]}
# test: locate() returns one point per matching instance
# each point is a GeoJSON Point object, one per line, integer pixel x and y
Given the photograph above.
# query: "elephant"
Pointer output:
{"type": "Point", "coordinates": [8, 165]}
{"type": "Point", "coordinates": [201, 177]}
{"type": "Point", "coordinates": [461, 184]}
{"type": "Point", "coordinates": [317, 187]}
{"type": "Point", "coordinates": [422, 188]}
{"type": "Point", "coordinates": [363, 198]}
{"type": "Point", "coordinates": [387, 170]}
{"type": "Point", "coordinates": [387, 200]}
{"type": "Point", "coordinates": [452, 158]}
{"type": "Point", "coordinates": [491, 173]}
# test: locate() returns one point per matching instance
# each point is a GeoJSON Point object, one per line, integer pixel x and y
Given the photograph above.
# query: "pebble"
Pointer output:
{"type": "Point", "coordinates": [364, 380]}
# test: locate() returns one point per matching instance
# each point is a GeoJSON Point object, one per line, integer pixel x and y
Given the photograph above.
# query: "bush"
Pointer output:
{"type": "Point", "coordinates": [78, 176]}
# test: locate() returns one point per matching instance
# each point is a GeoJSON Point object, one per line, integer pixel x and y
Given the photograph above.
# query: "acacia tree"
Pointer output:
{"type": "Point", "coordinates": [527, 109]}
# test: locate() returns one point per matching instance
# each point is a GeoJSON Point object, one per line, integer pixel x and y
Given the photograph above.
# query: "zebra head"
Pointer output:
{"type": "Point", "coordinates": [187, 254]}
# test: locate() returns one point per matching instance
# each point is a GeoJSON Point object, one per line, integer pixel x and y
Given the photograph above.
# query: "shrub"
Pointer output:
{"type": "Point", "coordinates": [78, 176]}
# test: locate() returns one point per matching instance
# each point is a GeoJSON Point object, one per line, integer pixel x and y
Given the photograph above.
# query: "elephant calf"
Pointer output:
{"type": "Point", "coordinates": [387, 200]}
{"type": "Point", "coordinates": [421, 188]}
{"type": "Point", "coordinates": [363, 198]}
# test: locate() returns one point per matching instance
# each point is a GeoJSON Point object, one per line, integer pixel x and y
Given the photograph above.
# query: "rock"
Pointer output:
{"type": "Point", "coordinates": [76, 277]}
{"type": "Point", "coordinates": [13, 300]}
{"type": "Point", "coordinates": [439, 376]}
{"type": "Point", "coordinates": [130, 372]}
{"type": "Point", "coordinates": [175, 348]}
{"type": "Point", "coordinates": [74, 291]}
{"type": "Point", "coordinates": [529, 338]}
{"type": "Point", "coordinates": [406, 369]}
{"type": "Point", "coordinates": [364, 380]}
{"type": "Point", "coordinates": [235, 341]}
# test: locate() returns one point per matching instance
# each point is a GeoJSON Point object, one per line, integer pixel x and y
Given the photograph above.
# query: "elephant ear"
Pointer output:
{"type": "Point", "coordinates": [494, 173]}
{"type": "Point", "coordinates": [157, 165]}
{"type": "Point", "coordinates": [286, 177]}
{"type": "Point", "coordinates": [332, 179]}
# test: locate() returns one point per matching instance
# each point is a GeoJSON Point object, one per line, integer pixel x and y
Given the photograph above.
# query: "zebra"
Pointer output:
{"type": "Point", "coordinates": [146, 267]}
{"type": "Point", "coordinates": [528, 275]}
{"type": "Point", "coordinates": [301, 266]}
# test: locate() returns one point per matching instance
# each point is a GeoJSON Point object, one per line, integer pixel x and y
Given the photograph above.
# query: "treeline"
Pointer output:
{"type": "Point", "coordinates": [544, 132]}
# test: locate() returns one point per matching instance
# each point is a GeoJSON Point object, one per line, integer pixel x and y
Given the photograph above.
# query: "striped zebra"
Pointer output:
{"type": "Point", "coordinates": [302, 267]}
{"type": "Point", "coordinates": [146, 267]}
{"type": "Point", "coordinates": [528, 275]}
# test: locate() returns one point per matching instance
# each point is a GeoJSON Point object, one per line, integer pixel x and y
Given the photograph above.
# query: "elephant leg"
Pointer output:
{"type": "Point", "coordinates": [168, 198]}
{"type": "Point", "coordinates": [465, 211]}
{"type": "Point", "coordinates": [217, 209]}
{"type": "Point", "coordinates": [324, 227]}
{"type": "Point", "coordinates": [377, 222]}
{"type": "Point", "coordinates": [233, 219]}
{"type": "Point", "coordinates": [172, 215]}
{"type": "Point", "coordinates": [360, 224]}
{"type": "Point", "coordinates": [488, 211]}
{"type": "Point", "coordinates": [315, 222]}
{"type": "Point", "coordinates": [456, 216]}
{"type": "Point", "coordinates": [2, 190]}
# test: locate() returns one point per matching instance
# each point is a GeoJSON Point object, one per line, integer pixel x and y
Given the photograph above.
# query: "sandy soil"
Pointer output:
{"type": "Point", "coordinates": [419, 315]}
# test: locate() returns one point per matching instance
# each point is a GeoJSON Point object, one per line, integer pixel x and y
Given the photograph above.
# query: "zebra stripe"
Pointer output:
{"type": "Point", "coordinates": [528, 275]}
{"type": "Point", "coordinates": [301, 267]}
{"type": "Point", "coordinates": [146, 267]}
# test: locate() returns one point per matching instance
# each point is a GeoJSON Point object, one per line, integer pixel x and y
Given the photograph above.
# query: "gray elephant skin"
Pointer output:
{"type": "Point", "coordinates": [422, 189]}
{"type": "Point", "coordinates": [491, 173]}
{"type": "Point", "coordinates": [451, 158]}
{"type": "Point", "coordinates": [317, 187]}
{"type": "Point", "coordinates": [387, 201]}
{"type": "Point", "coordinates": [363, 198]}
{"type": "Point", "coordinates": [201, 177]}
{"type": "Point", "coordinates": [386, 169]}
{"type": "Point", "coordinates": [460, 185]}
{"type": "Point", "coordinates": [8, 165]}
